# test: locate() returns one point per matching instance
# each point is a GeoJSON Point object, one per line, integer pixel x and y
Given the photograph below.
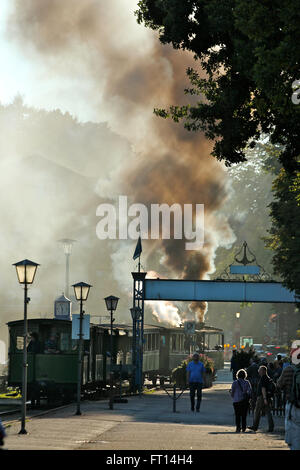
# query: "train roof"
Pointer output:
{"type": "Point", "coordinates": [123, 326]}
{"type": "Point", "coordinates": [128, 327]}
{"type": "Point", "coordinates": [40, 320]}
{"type": "Point", "coordinates": [147, 326]}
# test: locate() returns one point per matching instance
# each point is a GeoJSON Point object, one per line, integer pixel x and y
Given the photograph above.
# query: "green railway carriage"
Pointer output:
{"type": "Point", "coordinates": [52, 372]}
{"type": "Point", "coordinates": [49, 371]}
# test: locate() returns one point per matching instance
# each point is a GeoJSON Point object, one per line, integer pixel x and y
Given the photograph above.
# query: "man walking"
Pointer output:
{"type": "Point", "coordinates": [195, 374]}
{"type": "Point", "coordinates": [263, 402]}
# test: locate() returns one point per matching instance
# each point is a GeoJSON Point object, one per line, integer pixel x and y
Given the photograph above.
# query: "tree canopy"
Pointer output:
{"type": "Point", "coordinates": [249, 59]}
{"type": "Point", "coordinates": [284, 234]}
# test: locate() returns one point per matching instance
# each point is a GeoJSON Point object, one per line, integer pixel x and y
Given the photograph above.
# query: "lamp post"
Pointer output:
{"type": "Point", "coordinates": [67, 244]}
{"type": "Point", "coordinates": [136, 315]}
{"type": "Point", "coordinates": [238, 330]}
{"type": "Point", "coordinates": [111, 305]}
{"type": "Point", "coordinates": [26, 270]}
{"type": "Point", "coordinates": [81, 290]}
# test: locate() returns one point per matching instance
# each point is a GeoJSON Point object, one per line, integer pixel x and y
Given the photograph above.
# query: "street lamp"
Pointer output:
{"type": "Point", "coordinates": [238, 330]}
{"type": "Point", "coordinates": [67, 244]}
{"type": "Point", "coordinates": [26, 270]}
{"type": "Point", "coordinates": [136, 314]}
{"type": "Point", "coordinates": [111, 305]}
{"type": "Point", "coordinates": [81, 290]}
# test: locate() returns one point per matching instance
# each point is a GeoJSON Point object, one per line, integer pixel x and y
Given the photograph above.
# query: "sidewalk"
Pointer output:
{"type": "Point", "coordinates": [147, 423]}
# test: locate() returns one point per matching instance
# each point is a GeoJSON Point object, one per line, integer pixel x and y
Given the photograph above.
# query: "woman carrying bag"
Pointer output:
{"type": "Point", "coordinates": [241, 393]}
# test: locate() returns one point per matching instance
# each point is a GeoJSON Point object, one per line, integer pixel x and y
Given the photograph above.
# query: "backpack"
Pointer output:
{"type": "Point", "coordinates": [245, 395]}
{"type": "Point", "coordinates": [295, 391]}
{"type": "Point", "coordinates": [271, 388]}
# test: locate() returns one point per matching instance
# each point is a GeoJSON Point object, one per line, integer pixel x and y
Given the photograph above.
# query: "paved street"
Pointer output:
{"type": "Point", "coordinates": [147, 423]}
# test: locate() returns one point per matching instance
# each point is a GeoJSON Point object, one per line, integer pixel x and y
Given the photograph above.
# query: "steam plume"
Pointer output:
{"type": "Point", "coordinates": [131, 73]}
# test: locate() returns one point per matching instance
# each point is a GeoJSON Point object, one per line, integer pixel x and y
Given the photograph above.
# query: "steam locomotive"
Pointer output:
{"type": "Point", "coordinates": [53, 355]}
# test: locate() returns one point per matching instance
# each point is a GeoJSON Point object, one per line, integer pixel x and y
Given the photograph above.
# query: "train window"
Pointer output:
{"type": "Point", "coordinates": [98, 342]}
{"type": "Point", "coordinates": [148, 342]}
{"type": "Point", "coordinates": [16, 339]}
{"type": "Point", "coordinates": [120, 357]}
{"type": "Point", "coordinates": [180, 342]}
{"type": "Point", "coordinates": [64, 341]}
{"type": "Point", "coordinates": [20, 343]}
{"type": "Point", "coordinates": [173, 343]}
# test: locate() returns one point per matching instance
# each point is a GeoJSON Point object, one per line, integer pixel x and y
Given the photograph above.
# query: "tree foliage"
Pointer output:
{"type": "Point", "coordinates": [284, 234]}
{"type": "Point", "coordinates": [248, 210]}
{"type": "Point", "coordinates": [249, 57]}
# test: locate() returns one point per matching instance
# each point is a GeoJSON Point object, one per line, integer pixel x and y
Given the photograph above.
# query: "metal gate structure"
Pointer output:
{"type": "Point", "coordinates": [223, 289]}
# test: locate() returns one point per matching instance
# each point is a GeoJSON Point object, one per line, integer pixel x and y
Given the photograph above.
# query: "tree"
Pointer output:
{"type": "Point", "coordinates": [254, 179]}
{"type": "Point", "coordinates": [249, 61]}
{"type": "Point", "coordinates": [284, 238]}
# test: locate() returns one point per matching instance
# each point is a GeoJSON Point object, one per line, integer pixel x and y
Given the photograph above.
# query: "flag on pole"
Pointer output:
{"type": "Point", "coordinates": [138, 249]}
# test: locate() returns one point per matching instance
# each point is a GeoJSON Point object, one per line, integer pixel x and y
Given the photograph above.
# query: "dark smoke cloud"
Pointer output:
{"type": "Point", "coordinates": [132, 73]}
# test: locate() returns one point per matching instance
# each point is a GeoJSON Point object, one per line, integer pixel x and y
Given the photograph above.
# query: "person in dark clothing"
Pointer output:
{"type": "Point", "coordinates": [2, 434]}
{"type": "Point", "coordinates": [253, 377]}
{"type": "Point", "coordinates": [271, 370]}
{"type": "Point", "coordinates": [277, 371]}
{"type": "Point", "coordinates": [234, 367]}
{"type": "Point", "coordinates": [263, 403]}
{"type": "Point", "coordinates": [34, 345]}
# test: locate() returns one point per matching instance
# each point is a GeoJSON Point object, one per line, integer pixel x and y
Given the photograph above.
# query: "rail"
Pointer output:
{"type": "Point", "coordinates": [277, 406]}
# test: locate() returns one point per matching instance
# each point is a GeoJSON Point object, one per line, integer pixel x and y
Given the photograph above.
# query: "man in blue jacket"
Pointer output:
{"type": "Point", "coordinates": [195, 374]}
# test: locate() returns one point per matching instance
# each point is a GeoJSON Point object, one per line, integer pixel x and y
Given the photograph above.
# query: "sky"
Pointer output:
{"type": "Point", "coordinates": [21, 75]}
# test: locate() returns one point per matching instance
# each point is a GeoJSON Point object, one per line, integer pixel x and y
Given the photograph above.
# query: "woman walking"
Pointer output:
{"type": "Point", "coordinates": [241, 393]}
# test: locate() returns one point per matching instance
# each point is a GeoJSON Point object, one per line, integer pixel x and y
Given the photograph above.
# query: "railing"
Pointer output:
{"type": "Point", "coordinates": [278, 404]}
{"type": "Point", "coordinates": [174, 397]}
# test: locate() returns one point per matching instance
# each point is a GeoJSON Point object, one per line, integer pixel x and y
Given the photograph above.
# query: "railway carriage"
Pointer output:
{"type": "Point", "coordinates": [48, 372]}
{"type": "Point", "coordinates": [53, 365]}
{"type": "Point", "coordinates": [165, 348]}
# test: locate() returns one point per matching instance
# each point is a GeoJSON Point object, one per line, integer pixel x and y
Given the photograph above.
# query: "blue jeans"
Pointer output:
{"type": "Point", "coordinates": [195, 386]}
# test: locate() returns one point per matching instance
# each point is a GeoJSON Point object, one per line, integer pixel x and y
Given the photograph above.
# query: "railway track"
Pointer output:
{"type": "Point", "coordinates": [13, 416]}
